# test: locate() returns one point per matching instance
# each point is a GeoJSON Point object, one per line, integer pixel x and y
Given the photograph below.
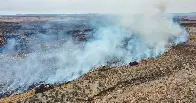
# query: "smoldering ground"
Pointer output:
{"type": "Point", "coordinates": [126, 38]}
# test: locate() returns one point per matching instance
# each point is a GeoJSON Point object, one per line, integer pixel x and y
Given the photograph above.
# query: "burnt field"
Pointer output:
{"type": "Point", "coordinates": [19, 39]}
{"type": "Point", "coordinates": [24, 41]}
{"type": "Point", "coordinates": [26, 32]}
{"type": "Point", "coordinates": [80, 29]}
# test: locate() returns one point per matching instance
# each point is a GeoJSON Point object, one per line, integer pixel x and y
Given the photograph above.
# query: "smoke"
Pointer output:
{"type": "Point", "coordinates": [122, 39]}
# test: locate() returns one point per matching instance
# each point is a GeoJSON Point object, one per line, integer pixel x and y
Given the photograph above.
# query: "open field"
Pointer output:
{"type": "Point", "coordinates": [40, 18]}
{"type": "Point", "coordinates": [169, 78]}
{"type": "Point", "coordinates": [24, 19]}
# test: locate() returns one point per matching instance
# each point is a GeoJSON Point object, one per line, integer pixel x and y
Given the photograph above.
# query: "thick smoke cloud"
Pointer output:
{"type": "Point", "coordinates": [127, 38]}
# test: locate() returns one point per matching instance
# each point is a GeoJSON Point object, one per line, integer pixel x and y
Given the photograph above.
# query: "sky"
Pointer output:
{"type": "Point", "coordinates": [89, 6]}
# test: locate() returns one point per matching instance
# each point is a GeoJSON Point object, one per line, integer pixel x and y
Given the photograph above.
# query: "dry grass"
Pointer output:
{"type": "Point", "coordinates": [18, 97]}
{"type": "Point", "coordinates": [24, 19]}
{"type": "Point", "coordinates": [37, 18]}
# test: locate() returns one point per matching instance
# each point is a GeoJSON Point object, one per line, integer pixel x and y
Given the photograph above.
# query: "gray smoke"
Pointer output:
{"type": "Point", "coordinates": [147, 35]}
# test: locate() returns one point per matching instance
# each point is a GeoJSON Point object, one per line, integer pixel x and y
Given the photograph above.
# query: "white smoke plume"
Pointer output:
{"type": "Point", "coordinates": [149, 35]}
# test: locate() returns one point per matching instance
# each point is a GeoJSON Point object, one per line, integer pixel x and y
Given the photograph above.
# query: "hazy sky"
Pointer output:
{"type": "Point", "coordinates": [89, 6]}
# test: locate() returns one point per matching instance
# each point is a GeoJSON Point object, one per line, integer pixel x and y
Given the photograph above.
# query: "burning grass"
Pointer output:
{"type": "Point", "coordinates": [154, 80]}
{"type": "Point", "coordinates": [53, 62]}
{"type": "Point", "coordinates": [168, 78]}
